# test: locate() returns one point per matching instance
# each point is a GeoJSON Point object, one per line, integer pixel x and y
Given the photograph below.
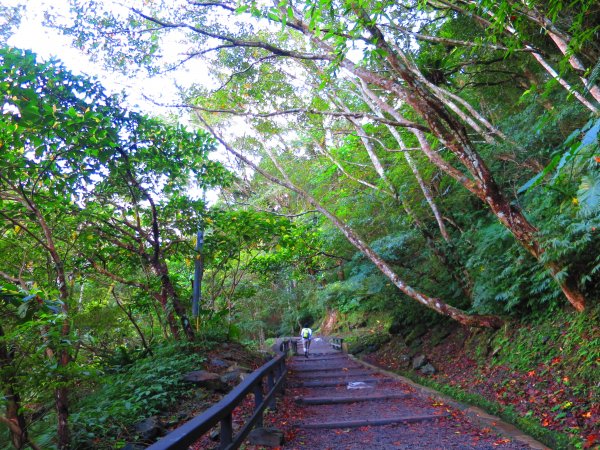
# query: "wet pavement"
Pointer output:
{"type": "Point", "coordinates": [336, 402]}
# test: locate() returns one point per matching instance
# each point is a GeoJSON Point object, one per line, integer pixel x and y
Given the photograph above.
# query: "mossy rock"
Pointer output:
{"type": "Point", "coordinates": [367, 343]}
{"type": "Point", "coordinates": [439, 334]}
{"type": "Point", "coordinates": [415, 333]}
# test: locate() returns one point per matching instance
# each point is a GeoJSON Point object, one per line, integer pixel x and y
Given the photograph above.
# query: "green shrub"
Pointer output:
{"type": "Point", "coordinates": [145, 388]}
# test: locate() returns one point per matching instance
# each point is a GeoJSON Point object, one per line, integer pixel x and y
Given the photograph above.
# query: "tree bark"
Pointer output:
{"type": "Point", "coordinates": [370, 97]}
{"type": "Point", "coordinates": [454, 136]}
{"type": "Point", "coordinates": [435, 304]}
{"type": "Point", "coordinates": [14, 419]}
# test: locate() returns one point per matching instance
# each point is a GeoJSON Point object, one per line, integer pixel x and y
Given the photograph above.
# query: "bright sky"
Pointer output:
{"type": "Point", "coordinates": [47, 42]}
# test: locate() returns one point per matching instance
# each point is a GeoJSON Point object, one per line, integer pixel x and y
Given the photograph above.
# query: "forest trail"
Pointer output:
{"type": "Point", "coordinates": [334, 402]}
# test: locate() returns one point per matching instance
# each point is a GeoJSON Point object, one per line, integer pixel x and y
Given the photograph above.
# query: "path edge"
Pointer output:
{"type": "Point", "coordinates": [475, 413]}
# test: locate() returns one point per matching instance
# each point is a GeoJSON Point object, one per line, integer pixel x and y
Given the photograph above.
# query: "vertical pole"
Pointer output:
{"type": "Point", "coordinates": [198, 271]}
{"type": "Point", "coordinates": [271, 385]}
{"type": "Point", "coordinates": [282, 374]}
{"type": "Point", "coordinates": [258, 399]}
{"type": "Point", "coordinates": [226, 434]}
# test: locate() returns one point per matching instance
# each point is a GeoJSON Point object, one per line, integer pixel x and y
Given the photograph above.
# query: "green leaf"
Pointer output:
{"type": "Point", "coordinates": [588, 194]}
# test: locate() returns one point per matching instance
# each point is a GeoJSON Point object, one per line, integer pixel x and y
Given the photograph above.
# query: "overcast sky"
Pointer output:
{"type": "Point", "coordinates": [47, 42]}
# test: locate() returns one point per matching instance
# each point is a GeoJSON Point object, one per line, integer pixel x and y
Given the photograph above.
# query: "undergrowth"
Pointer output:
{"type": "Point", "coordinates": [564, 340]}
{"type": "Point", "coordinates": [529, 425]}
{"type": "Point", "coordinates": [143, 389]}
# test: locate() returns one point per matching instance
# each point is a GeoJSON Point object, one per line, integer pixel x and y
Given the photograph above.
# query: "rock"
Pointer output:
{"type": "Point", "coordinates": [428, 369]}
{"type": "Point", "coordinates": [239, 368]}
{"type": "Point", "coordinates": [419, 361]}
{"type": "Point", "coordinates": [149, 429]}
{"type": "Point", "coordinates": [395, 328]}
{"type": "Point", "coordinates": [266, 437]}
{"type": "Point", "coordinates": [233, 377]}
{"type": "Point", "coordinates": [215, 434]}
{"type": "Point", "coordinates": [130, 446]}
{"type": "Point", "coordinates": [219, 363]}
{"type": "Point", "coordinates": [404, 360]}
{"type": "Point", "coordinates": [208, 380]}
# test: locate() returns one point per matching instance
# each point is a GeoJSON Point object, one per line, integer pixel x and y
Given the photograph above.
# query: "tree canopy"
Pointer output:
{"type": "Point", "coordinates": [434, 159]}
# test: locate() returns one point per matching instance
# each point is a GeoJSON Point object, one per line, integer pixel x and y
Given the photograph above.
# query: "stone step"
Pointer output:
{"type": "Point", "coordinates": [324, 369]}
{"type": "Point", "coordinates": [311, 358]}
{"type": "Point", "coordinates": [371, 422]}
{"type": "Point", "coordinates": [318, 384]}
{"type": "Point", "coordinates": [331, 374]}
{"type": "Point", "coordinates": [340, 400]}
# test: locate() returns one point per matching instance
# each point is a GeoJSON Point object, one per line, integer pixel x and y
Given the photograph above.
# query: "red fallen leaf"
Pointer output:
{"type": "Point", "coordinates": [597, 158]}
{"type": "Point", "coordinates": [531, 373]}
{"type": "Point", "coordinates": [501, 441]}
{"type": "Point", "coordinates": [592, 439]}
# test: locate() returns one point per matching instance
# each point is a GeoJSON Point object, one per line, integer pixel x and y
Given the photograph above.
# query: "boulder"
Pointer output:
{"type": "Point", "coordinates": [149, 429]}
{"type": "Point", "coordinates": [233, 377]}
{"type": "Point", "coordinates": [219, 363]}
{"type": "Point", "coordinates": [215, 434]}
{"type": "Point", "coordinates": [428, 369]}
{"type": "Point", "coordinates": [266, 437]}
{"type": "Point", "coordinates": [419, 361]}
{"type": "Point", "coordinates": [205, 379]}
{"type": "Point", "coordinates": [130, 446]}
{"type": "Point", "coordinates": [404, 361]}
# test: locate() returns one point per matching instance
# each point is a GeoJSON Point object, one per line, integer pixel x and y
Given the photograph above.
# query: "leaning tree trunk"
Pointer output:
{"type": "Point", "coordinates": [454, 136]}
{"type": "Point", "coordinates": [435, 304]}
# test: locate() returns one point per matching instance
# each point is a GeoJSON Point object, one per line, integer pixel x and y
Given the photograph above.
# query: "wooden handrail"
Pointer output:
{"type": "Point", "coordinates": [337, 343]}
{"type": "Point", "coordinates": [274, 371]}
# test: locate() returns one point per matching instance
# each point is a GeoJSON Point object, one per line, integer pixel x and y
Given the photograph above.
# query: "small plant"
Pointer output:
{"type": "Point", "coordinates": [145, 388]}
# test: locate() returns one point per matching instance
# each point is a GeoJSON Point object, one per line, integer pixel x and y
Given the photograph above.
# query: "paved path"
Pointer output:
{"type": "Point", "coordinates": [335, 402]}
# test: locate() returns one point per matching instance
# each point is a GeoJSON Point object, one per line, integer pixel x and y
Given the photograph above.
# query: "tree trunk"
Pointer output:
{"type": "Point", "coordinates": [171, 293]}
{"type": "Point", "coordinates": [15, 420]}
{"type": "Point", "coordinates": [163, 299]}
{"type": "Point", "coordinates": [433, 303]}
{"type": "Point", "coordinates": [454, 136]}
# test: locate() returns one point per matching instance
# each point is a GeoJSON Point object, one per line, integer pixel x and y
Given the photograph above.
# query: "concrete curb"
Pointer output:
{"type": "Point", "coordinates": [478, 415]}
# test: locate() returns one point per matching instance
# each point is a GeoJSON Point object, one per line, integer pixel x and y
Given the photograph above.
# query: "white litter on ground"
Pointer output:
{"type": "Point", "coordinates": [359, 385]}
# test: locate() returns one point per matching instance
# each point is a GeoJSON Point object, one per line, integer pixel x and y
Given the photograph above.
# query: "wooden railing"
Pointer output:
{"type": "Point", "coordinates": [290, 345]}
{"type": "Point", "coordinates": [337, 343]}
{"type": "Point", "coordinates": [273, 372]}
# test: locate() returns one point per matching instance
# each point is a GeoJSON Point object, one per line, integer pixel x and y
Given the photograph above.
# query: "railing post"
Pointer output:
{"type": "Point", "coordinates": [258, 399]}
{"type": "Point", "coordinates": [281, 369]}
{"type": "Point", "coordinates": [271, 385]}
{"type": "Point", "coordinates": [226, 434]}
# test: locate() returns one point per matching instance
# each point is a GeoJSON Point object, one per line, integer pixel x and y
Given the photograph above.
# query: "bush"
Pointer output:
{"type": "Point", "coordinates": [145, 388]}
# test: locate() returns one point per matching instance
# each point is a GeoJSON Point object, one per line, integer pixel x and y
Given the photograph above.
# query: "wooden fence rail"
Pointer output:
{"type": "Point", "coordinates": [273, 373]}
{"type": "Point", "coordinates": [337, 343]}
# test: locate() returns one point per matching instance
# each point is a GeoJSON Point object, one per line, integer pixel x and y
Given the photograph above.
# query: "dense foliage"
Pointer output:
{"type": "Point", "coordinates": [425, 160]}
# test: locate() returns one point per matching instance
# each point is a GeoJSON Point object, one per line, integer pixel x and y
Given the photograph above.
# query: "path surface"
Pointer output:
{"type": "Point", "coordinates": [333, 402]}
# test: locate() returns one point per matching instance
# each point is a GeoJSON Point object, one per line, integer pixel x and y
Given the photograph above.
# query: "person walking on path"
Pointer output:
{"type": "Point", "coordinates": [306, 336]}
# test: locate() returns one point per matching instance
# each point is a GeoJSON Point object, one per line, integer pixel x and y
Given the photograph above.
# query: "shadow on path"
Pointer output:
{"type": "Point", "coordinates": [335, 402]}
